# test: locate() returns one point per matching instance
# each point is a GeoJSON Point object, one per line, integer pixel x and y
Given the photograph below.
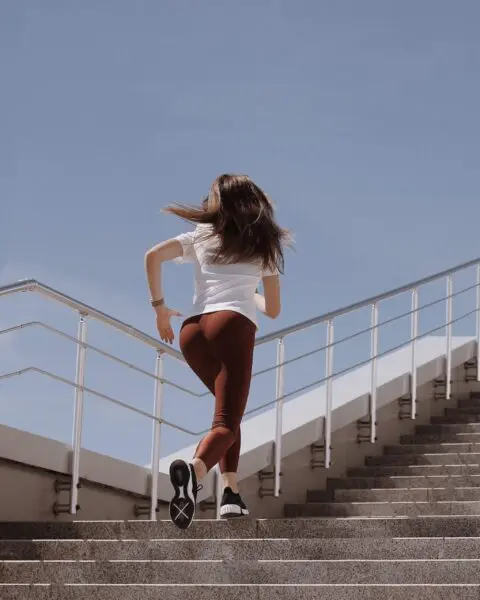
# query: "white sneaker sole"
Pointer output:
{"type": "Point", "coordinates": [232, 511]}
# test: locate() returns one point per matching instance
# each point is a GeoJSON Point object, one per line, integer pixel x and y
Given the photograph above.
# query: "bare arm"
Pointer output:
{"type": "Point", "coordinates": [269, 304]}
{"type": "Point", "coordinates": [154, 258]}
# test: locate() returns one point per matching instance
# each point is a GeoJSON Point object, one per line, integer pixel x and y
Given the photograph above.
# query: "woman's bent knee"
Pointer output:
{"type": "Point", "coordinates": [225, 430]}
{"type": "Point", "coordinates": [214, 445]}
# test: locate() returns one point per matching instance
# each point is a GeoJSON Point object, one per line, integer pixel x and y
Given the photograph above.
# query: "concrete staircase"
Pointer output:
{"type": "Point", "coordinates": [435, 471]}
{"type": "Point", "coordinates": [405, 525]}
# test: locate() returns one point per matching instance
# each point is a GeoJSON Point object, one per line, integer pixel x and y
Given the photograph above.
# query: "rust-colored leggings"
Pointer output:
{"type": "Point", "coordinates": [219, 348]}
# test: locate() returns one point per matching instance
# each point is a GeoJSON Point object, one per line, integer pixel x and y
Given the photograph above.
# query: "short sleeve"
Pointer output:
{"type": "Point", "coordinates": [187, 241]}
{"type": "Point", "coordinates": [270, 272]}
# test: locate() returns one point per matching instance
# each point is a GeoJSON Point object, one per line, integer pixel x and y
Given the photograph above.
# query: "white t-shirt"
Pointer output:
{"type": "Point", "coordinates": [218, 286]}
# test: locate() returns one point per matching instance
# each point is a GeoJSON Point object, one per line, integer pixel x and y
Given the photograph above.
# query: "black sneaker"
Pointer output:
{"type": "Point", "coordinates": [184, 481]}
{"type": "Point", "coordinates": [232, 505]}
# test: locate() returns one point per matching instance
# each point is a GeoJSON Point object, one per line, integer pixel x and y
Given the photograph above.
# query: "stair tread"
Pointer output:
{"type": "Point", "coordinates": [239, 549]}
{"type": "Point", "coordinates": [250, 572]}
{"type": "Point", "coordinates": [465, 453]}
{"type": "Point", "coordinates": [405, 524]}
{"type": "Point", "coordinates": [426, 469]}
{"type": "Point", "coordinates": [362, 591]}
{"type": "Point", "coordinates": [298, 528]}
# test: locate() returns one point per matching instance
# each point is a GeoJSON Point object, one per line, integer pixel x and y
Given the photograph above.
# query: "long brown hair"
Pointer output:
{"type": "Point", "coordinates": [243, 218]}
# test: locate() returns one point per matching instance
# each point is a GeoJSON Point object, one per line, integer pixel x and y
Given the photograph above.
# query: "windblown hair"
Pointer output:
{"type": "Point", "coordinates": [243, 218]}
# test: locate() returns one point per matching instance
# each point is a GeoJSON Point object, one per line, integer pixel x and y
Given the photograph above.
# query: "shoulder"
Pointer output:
{"type": "Point", "coordinates": [203, 233]}
{"type": "Point", "coordinates": [203, 228]}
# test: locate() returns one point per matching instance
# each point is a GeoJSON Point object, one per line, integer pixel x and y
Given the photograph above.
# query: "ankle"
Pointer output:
{"type": "Point", "coordinates": [200, 468]}
{"type": "Point", "coordinates": [230, 481]}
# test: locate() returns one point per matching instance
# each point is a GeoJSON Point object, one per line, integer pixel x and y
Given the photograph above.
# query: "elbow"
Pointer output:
{"type": "Point", "coordinates": [148, 259]}
{"type": "Point", "coordinates": [273, 313]}
{"type": "Point", "coordinates": [149, 255]}
{"type": "Point", "coordinates": [152, 257]}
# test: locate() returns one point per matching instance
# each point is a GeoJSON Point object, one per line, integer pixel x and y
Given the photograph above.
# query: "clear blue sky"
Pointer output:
{"type": "Point", "coordinates": [360, 119]}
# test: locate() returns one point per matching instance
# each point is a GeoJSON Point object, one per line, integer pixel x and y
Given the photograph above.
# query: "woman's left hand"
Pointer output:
{"type": "Point", "coordinates": [164, 315]}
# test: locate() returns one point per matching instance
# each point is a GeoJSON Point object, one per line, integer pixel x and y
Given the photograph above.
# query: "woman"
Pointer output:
{"type": "Point", "coordinates": [236, 244]}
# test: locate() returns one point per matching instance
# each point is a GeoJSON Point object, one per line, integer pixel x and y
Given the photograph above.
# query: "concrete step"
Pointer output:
{"type": "Point", "coordinates": [455, 418]}
{"type": "Point", "coordinates": [320, 495]}
{"type": "Point", "coordinates": [382, 509]}
{"type": "Point", "coordinates": [121, 530]}
{"type": "Point", "coordinates": [467, 409]}
{"type": "Point", "coordinates": [440, 438]}
{"type": "Point", "coordinates": [409, 495]}
{"type": "Point", "coordinates": [427, 470]}
{"type": "Point", "coordinates": [249, 529]}
{"type": "Point", "coordinates": [373, 591]}
{"type": "Point", "coordinates": [448, 428]}
{"type": "Point", "coordinates": [466, 402]}
{"type": "Point", "coordinates": [423, 459]}
{"type": "Point", "coordinates": [401, 481]}
{"type": "Point", "coordinates": [444, 571]}
{"type": "Point", "coordinates": [261, 549]}
{"type": "Point", "coordinates": [445, 448]}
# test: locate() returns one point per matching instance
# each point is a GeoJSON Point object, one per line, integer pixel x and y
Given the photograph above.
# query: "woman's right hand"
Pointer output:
{"type": "Point", "coordinates": [164, 327]}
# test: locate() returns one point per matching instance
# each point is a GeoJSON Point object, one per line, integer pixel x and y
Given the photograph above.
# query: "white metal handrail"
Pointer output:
{"type": "Point", "coordinates": [97, 350]}
{"type": "Point", "coordinates": [281, 395]}
{"type": "Point", "coordinates": [85, 310]}
{"type": "Point", "coordinates": [282, 333]}
{"type": "Point", "coordinates": [415, 309]}
{"type": "Point", "coordinates": [281, 362]}
{"type": "Point", "coordinates": [32, 285]}
{"type": "Point", "coordinates": [101, 395]}
{"type": "Point", "coordinates": [362, 363]}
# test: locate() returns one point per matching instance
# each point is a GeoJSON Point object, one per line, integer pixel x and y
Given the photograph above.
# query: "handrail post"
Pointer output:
{"type": "Point", "coordinates": [478, 321]}
{"type": "Point", "coordinates": [78, 411]}
{"type": "Point", "coordinates": [157, 411]}
{"type": "Point", "coordinates": [279, 414]}
{"type": "Point", "coordinates": [329, 389]}
{"type": "Point", "coordinates": [413, 345]}
{"type": "Point", "coordinates": [448, 375]}
{"type": "Point", "coordinates": [373, 374]}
